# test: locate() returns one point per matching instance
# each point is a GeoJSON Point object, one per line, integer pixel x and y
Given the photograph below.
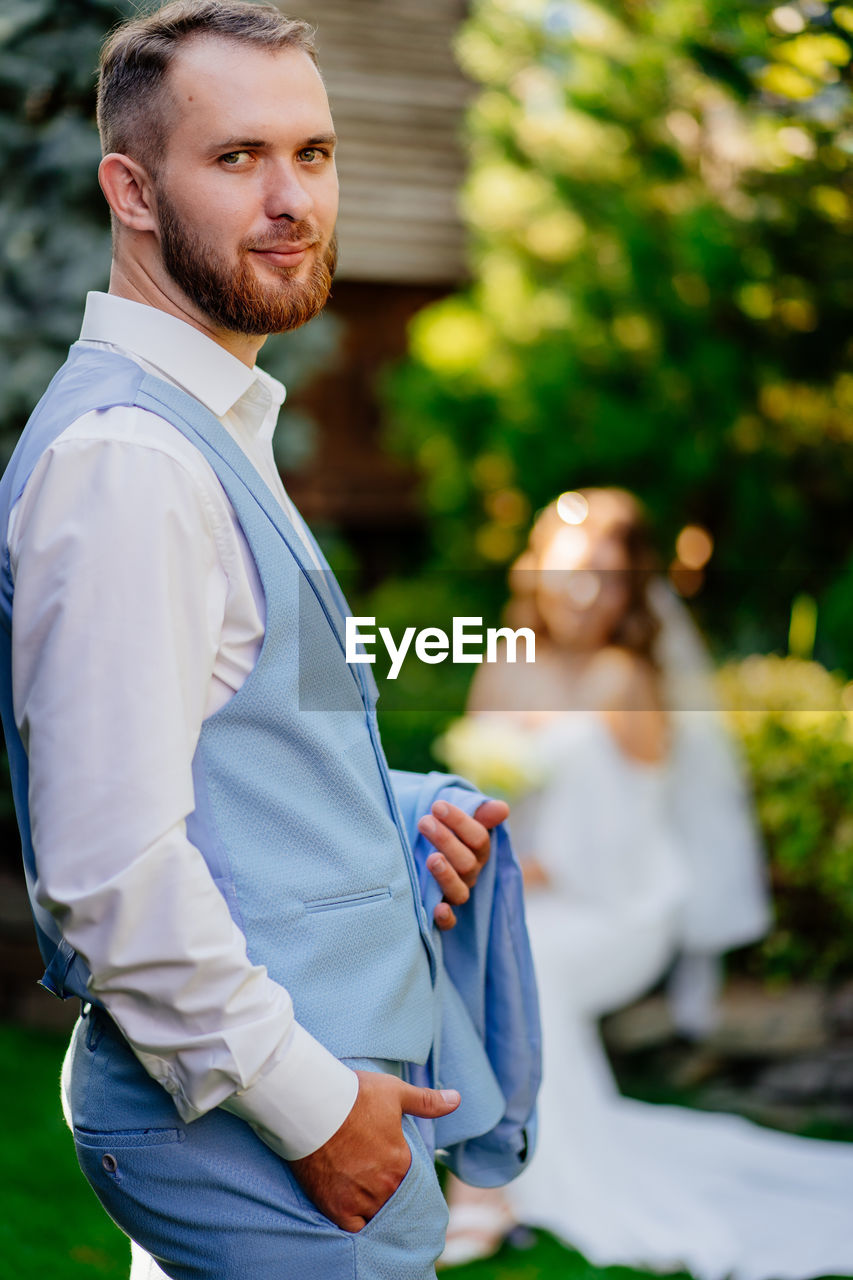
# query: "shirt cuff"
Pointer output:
{"type": "Point", "coordinates": [301, 1101]}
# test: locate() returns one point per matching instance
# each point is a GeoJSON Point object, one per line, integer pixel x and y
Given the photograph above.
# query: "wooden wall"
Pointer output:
{"type": "Point", "coordinates": [398, 97]}
{"type": "Point", "coordinates": [398, 100]}
{"type": "Point", "coordinates": [352, 485]}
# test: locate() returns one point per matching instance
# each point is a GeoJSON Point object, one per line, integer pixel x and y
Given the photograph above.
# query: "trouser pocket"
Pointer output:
{"type": "Point", "coordinates": [406, 1236]}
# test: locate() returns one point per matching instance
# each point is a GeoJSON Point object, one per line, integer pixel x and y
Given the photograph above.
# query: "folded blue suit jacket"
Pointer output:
{"type": "Point", "coordinates": [488, 1043]}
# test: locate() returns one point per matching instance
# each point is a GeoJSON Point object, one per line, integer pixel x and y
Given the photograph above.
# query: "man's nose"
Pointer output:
{"type": "Point", "coordinates": [288, 196]}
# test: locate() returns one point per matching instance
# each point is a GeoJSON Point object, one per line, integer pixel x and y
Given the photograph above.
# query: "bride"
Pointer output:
{"type": "Point", "coordinates": [638, 850]}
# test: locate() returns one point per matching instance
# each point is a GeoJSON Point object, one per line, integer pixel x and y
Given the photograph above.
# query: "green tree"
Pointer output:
{"type": "Point", "coordinates": [660, 206]}
{"type": "Point", "coordinates": [54, 235]}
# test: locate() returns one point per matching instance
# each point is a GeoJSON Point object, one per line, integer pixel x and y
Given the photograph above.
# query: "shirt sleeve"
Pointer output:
{"type": "Point", "coordinates": [120, 596]}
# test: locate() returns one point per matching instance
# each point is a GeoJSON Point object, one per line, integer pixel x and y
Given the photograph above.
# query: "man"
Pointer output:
{"type": "Point", "coordinates": [217, 860]}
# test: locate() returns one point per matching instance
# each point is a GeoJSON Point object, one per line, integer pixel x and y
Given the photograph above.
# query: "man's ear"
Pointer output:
{"type": "Point", "coordinates": [129, 192]}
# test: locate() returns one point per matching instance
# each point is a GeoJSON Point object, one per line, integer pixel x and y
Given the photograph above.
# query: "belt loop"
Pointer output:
{"type": "Point", "coordinates": [96, 1028]}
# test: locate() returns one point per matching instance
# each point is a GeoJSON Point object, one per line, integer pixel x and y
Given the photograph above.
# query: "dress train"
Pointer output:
{"type": "Point", "coordinates": [660, 1188]}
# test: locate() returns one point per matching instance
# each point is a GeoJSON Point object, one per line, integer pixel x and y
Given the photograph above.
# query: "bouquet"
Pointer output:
{"type": "Point", "coordinates": [498, 755]}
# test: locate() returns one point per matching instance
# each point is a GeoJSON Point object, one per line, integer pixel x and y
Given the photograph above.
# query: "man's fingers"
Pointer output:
{"type": "Point", "coordinates": [428, 1102]}
{"type": "Point", "coordinates": [466, 862]}
{"type": "Point", "coordinates": [353, 1224]}
{"type": "Point", "coordinates": [444, 916]}
{"type": "Point", "coordinates": [472, 833]}
{"type": "Point", "coordinates": [462, 846]}
{"type": "Point", "coordinates": [466, 854]}
{"type": "Point", "coordinates": [492, 812]}
{"type": "Point", "coordinates": [454, 888]}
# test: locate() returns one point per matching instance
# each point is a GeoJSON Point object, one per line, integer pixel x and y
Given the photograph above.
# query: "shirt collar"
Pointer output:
{"type": "Point", "coordinates": [184, 354]}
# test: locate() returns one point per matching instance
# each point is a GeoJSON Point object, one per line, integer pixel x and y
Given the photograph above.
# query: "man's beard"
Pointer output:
{"type": "Point", "coordinates": [230, 294]}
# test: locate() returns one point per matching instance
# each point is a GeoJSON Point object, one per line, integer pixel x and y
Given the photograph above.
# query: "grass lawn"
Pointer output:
{"type": "Point", "coordinates": [546, 1260]}
{"type": "Point", "coordinates": [51, 1227]}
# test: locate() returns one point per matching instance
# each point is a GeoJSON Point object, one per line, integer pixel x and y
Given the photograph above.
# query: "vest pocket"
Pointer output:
{"type": "Point", "coordinates": [347, 900]}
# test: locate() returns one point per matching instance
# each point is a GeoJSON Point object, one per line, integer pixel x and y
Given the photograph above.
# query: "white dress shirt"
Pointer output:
{"type": "Point", "coordinates": [138, 612]}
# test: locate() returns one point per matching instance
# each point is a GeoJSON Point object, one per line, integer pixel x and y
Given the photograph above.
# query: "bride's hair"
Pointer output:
{"type": "Point", "coordinates": [610, 513]}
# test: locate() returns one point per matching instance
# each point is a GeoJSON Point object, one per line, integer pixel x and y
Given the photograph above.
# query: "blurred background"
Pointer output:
{"type": "Point", "coordinates": [582, 244]}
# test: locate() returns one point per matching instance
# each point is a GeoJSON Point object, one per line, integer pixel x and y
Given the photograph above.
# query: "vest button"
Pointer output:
{"type": "Point", "coordinates": [109, 1163]}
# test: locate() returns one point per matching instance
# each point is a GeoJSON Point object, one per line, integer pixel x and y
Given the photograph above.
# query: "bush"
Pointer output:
{"type": "Point", "coordinates": [794, 720]}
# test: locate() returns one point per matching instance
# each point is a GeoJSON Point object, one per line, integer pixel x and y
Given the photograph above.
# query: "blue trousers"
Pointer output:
{"type": "Point", "coordinates": [210, 1201]}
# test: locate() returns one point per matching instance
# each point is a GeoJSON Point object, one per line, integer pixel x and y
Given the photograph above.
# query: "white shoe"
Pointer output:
{"type": "Point", "coordinates": [475, 1231]}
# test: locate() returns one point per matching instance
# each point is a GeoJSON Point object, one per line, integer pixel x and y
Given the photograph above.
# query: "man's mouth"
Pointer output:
{"type": "Point", "coordinates": [287, 254]}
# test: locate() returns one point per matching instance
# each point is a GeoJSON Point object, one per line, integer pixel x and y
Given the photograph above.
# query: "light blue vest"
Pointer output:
{"type": "Point", "coordinates": [295, 811]}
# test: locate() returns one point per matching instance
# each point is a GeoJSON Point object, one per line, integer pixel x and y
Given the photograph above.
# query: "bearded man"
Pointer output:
{"type": "Point", "coordinates": [218, 863]}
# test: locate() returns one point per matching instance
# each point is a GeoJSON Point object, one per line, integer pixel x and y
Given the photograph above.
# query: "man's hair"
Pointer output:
{"type": "Point", "coordinates": [133, 103]}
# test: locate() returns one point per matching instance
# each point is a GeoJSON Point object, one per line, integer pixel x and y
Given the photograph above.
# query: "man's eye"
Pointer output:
{"type": "Point", "coordinates": [236, 159]}
{"type": "Point", "coordinates": [312, 154]}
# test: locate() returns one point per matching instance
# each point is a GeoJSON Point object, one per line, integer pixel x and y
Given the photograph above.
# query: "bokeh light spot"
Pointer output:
{"type": "Point", "coordinates": [572, 508]}
{"type": "Point", "coordinates": [694, 546]}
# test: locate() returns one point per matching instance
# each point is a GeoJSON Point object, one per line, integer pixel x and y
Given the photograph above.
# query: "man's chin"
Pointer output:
{"type": "Point", "coordinates": [259, 299]}
{"type": "Point", "coordinates": [298, 308]}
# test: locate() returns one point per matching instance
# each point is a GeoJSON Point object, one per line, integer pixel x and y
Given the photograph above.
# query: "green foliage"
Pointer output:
{"type": "Point", "coordinates": [417, 707]}
{"type": "Point", "coordinates": [54, 232]}
{"type": "Point", "coordinates": [794, 721]}
{"type": "Point", "coordinates": [660, 205]}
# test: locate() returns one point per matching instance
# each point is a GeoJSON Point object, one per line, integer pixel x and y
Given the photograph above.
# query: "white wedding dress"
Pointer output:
{"type": "Point", "coordinates": [645, 860]}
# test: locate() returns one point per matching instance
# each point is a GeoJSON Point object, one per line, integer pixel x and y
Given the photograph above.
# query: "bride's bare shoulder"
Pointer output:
{"type": "Point", "coordinates": [617, 677]}
{"type": "Point", "coordinates": [626, 689]}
